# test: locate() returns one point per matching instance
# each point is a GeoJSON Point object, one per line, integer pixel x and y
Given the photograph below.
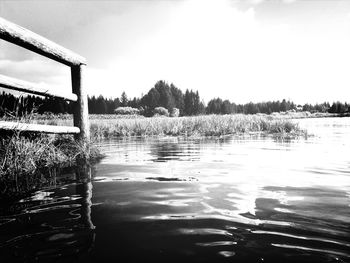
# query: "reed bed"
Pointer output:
{"type": "Point", "coordinates": [23, 158]}
{"type": "Point", "coordinates": [208, 125]}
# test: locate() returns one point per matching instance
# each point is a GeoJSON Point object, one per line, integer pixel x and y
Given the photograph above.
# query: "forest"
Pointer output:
{"type": "Point", "coordinates": [163, 95]}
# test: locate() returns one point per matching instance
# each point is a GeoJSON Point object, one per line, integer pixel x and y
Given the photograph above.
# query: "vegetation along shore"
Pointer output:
{"type": "Point", "coordinates": [164, 111]}
{"type": "Point", "coordinates": [208, 125]}
{"type": "Point", "coordinates": [108, 126]}
{"type": "Point", "coordinates": [22, 156]}
{"type": "Point", "coordinates": [26, 161]}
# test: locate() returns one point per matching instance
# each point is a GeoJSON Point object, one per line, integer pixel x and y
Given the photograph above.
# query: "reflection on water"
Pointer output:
{"type": "Point", "coordinates": [51, 224]}
{"type": "Point", "coordinates": [242, 199]}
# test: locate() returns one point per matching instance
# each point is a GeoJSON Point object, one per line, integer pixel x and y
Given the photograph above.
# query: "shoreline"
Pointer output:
{"type": "Point", "coordinates": [69, 117]}
{"type": "Point", "coordinates": [26, 156]}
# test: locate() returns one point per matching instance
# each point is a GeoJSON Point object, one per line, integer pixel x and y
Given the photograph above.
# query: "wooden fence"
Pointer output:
{"type": "Point", "coordinates": [31, 41]}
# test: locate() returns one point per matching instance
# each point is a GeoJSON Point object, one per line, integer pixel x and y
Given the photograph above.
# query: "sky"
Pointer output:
{"type": "Point", "coordinates": [253, 50]}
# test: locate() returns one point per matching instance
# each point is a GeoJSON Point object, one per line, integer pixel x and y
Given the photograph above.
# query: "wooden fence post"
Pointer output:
{"type": "Point", "coordinates": [80, 112]}
{"type": "Point", "coordinates": [27, 39]}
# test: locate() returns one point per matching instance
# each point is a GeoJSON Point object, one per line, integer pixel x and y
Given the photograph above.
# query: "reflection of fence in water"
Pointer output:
{"type": "Point", "coordinates": [62, 216]}
{"type": "Point", "coordinates": [77, 235]}
{"type": "Point", "coordinates": [84, 173]}
{"type": "Point", "coordinates": [83, 234]}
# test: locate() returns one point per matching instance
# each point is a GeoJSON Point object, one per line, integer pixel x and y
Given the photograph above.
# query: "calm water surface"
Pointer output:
{"type": "Point", "coordinates": [232, 199]}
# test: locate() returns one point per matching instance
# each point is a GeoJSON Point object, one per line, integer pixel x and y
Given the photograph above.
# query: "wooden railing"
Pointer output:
{"type": "Point", "coordinates": [31, 41]}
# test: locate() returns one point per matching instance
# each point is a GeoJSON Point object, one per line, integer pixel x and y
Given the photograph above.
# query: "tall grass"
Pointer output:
{"type": "Point", "coordinates": [23, 158]}
{"type": "Point", "coordinates": [209, 125]}
{"type": "Point", "coordinates": [106, 126]}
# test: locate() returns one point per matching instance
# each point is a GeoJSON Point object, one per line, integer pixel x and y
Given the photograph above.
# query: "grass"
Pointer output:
{"type": "Point", "coordinates": [23, 159]}
{"type": "Point", "coordinates": [303, 115]}
{"type": "Point", "coordinates": [208, 125]}
{"type": "Point", "coordinates": [108, 126]}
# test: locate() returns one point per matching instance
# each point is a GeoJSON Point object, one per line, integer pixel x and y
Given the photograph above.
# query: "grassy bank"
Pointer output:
{"type": "Point", "coordinates": [69, 117]}
{"type": "Point", "coordinates": [107, 126]}
{"type": "Point", "coordinates": [208, 125]}
{"type": "Point", "coordinates": [303, 115]}
{"type": "Point", "coordinates": [22, 159]}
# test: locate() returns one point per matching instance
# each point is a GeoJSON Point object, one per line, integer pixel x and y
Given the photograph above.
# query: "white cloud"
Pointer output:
{"type": "Point", "coordinates": [211, 46]}
{"type": "Point", "coordinates": [39, 71]}
{"type": "Point", "coordinates": [224, 52]}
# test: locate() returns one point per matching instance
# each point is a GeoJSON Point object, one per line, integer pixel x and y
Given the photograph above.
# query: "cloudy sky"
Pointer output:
{"type": "Point", "coordinates": [239, 50]}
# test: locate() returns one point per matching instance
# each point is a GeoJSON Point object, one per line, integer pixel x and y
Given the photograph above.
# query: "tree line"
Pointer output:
{"type": "Point", "coordinates": [163, 95]}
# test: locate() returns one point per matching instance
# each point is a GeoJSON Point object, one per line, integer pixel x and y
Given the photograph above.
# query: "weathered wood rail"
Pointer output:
{"type": "Point", "coordinates": [29, 40]}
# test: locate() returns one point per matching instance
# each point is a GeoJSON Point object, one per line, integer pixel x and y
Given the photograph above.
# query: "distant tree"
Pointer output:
{"type": "Point", "coordinates": [333, 108]}
{"type": "Point", "coordinates": [134, 103]}
{"type": "Point", "coordinates": [188, 108]}
{"type": "Point", "coordinates": [150, 101]}
{"type": "Point", "coordinates": [284, 105]}
{"type": "Point", "coordinates": [226, 107]}
{"type": "Point", "coordinates": [165, 97]}
{"type": "Point", "coordinates": [341, 108]}
{"type": "Point", "coordinates": [192, 103]}
{"type": "Point", "coordinates": [101, 106]}
{"type": "Point", "coordinates": [201, 108]}
{"type": "Point", "coordinates": [251, 108]}
{"type": "Point", "coordinates": [214, 106]}
{"type": "Point", "coordinates": [162, 95]}
{"type": "Point", "coordinates": [124, 99]}
{"type": "Point", "coordinates": [91, 103]}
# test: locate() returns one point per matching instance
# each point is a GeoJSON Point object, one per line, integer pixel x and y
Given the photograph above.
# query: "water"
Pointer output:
{"type": "Point", "coordinates": [232, 199]}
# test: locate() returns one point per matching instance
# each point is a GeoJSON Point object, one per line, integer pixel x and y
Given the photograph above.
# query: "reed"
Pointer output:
{"type": "Point", "coordinates": [208, 125]}
{"type": "Point", "coordinates": [22, 158]}
{"type": "Point", "coordinates": [106, 126]}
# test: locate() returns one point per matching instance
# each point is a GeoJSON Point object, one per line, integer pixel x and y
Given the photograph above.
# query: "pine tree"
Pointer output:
{"type": "Point", "coordinates": [124, 99]}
